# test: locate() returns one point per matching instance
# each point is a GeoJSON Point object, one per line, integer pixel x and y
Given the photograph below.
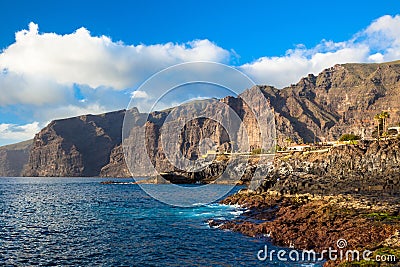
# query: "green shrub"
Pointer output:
{"type": "Point", "coordinates": [349, 137]}
{"type": "Point", "coordinates": [257, 151]}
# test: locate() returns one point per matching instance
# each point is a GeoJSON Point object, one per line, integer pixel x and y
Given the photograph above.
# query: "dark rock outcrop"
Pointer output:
{"type": "Point", "coordinates": [368, 167]}
{"type": "Point", "coordinates": [78, 146]}
{"type": "Point", "coordinates": [13, 158]}
{"type": "Point", "coordinates": [318, 222]}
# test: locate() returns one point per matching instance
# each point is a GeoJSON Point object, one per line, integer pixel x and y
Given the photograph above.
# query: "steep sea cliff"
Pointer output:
{"type": "Point", "coordinates": [341, 99]}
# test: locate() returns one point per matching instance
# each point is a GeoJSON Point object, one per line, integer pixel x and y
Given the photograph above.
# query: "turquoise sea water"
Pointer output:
{"type": "Point", "coordinates": [80, 222]}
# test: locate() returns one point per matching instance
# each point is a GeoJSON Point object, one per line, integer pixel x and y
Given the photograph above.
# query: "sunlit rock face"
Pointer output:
{"type": "Point", "coordinates": [341, 99]}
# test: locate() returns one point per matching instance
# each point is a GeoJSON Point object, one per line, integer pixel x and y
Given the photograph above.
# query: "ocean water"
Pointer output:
{"type": "Point", "coordinates": [80, 222]}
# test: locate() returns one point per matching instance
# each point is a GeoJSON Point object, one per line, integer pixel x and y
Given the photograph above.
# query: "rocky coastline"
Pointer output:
{"type": "Point", "coordinates": [309, 201]}
{"type": "Point", "coordinates": [341, 99]}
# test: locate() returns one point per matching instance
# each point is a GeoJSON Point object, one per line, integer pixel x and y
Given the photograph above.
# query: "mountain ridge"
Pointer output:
{"type": "Point", "coordinates": [13, 158]}
{"type": "Point", "coordinates": [341, 99]}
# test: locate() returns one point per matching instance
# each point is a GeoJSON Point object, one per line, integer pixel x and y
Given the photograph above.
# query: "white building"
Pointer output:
{"type": "Point", "coordinates": [395, 128]}
{"type": "Point", "coordinates": [298, 147]}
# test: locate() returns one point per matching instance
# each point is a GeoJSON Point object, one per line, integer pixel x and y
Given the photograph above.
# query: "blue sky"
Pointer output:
{"type": "Point", "coordinates": [252, 28]}
{"type": "Point", "coordinates": [65, 58]}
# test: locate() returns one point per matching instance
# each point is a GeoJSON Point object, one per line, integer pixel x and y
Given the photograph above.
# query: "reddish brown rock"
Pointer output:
{"type": "Point", "coordinates": [341, 99]}
{"type": "Point", "coordinates": [317, 223]}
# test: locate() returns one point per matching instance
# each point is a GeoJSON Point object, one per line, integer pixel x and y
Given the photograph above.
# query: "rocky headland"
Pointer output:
{"type": "Point", "coordinates": [311, 200]}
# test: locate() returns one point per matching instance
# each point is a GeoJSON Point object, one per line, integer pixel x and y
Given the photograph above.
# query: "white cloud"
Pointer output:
{"type": "Point", "coordinates": [21, 88]}
{"type": "Point", "coordinates": [140, 94]}
{"type": "Point", "coordinates": [61, 112]}
{"type": "Point", "coordinates": [383, 36]}
{"type": "Point", "coordinates": [379, 42]}
{"type": "Point", "coordinates": [97, 61]}
{"type": "Point", "coordinates": [282, 71]}
{"type": "Point", "coordinates": [10, 133]}
{"type": "Point", "coordinates": [377, 57]}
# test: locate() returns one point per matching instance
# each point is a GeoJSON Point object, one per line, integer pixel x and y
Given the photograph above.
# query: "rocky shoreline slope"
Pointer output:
{"type": "Point", "coordinates": [309, 201]}
{"type": "Point", "coordinates": [364, 168]}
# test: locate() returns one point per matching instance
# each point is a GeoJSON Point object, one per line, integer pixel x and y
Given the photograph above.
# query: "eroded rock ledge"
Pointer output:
{"type": "Point", "coordinates": [310, 201]}
{"type": "Point", "coordinates": [317, 222]}
{"type": "Point", "coordinates": [370, 167]}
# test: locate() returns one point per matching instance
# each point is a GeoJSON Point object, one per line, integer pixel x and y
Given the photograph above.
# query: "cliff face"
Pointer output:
{"type": "Point", "coordinates": [169, 135]}
{"type": "Point", "coordinates": [13, 158]}
{"type": "Point", "coordinates": [78, 146]}
{"type": "Point", "coordinates": [91, 145]}
{"type": "Point", "coordinates": [341, 99]}
{"type": "Point", "coordinates": [116, 166]}
{"type": "Point", "coordinates": [371, 167]}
